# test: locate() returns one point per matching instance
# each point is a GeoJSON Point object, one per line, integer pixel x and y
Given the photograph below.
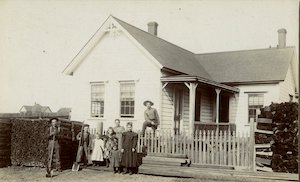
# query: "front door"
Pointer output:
{"type": "Point", "coordinates": [178, 101]}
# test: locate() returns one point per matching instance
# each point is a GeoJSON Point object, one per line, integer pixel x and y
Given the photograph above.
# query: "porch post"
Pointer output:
{"type": "Point", "coordinates": [217, 104]}
{"type": "Point", "coordinates": [192, 87]}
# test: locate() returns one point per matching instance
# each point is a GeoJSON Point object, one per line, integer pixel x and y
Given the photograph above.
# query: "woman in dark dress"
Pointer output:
{"type": "Point", "coordinates": [129, 153]}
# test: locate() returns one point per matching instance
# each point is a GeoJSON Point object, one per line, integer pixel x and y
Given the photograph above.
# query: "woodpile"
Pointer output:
{"type": "Point", "coordinates": [284, 144]}
{"type": "Point", "coordinates": [5, 143]}
{"type": "Point", "coordinates": [30, 141]}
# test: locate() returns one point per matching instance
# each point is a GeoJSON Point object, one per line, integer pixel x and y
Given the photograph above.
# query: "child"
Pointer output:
{"type": "Point", "coordinates": [115, 158]}
{"type": "Point", "coordinates": [83, 149]}
{"type": "Point", "coordinates": [129, 154]}
{"type": "Point", "coordinates": [108, 145]}
{"type": "Point", "coordinates": [98, 148]}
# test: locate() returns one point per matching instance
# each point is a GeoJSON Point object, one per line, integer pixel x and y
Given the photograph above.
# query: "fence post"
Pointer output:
{"type": "Point", "coordinates": [252, 145]}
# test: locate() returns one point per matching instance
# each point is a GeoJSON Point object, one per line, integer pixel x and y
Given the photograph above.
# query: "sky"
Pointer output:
{"type": "Point", "coordinates": [40, 37]}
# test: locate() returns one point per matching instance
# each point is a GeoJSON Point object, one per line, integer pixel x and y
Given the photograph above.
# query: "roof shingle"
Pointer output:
{"type": "Point", "coordinates": [258, 65]}
{"type": "Point", "coordinates": [169, 55]}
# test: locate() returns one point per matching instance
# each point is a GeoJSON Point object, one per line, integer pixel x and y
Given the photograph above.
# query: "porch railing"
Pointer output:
{"type": "Point", "coordinates": [214, 126]}
{"type": "Point", "coordinates": [221, 148]}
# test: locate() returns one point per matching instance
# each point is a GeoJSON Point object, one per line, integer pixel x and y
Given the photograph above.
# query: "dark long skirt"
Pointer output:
{"type": "Point", "coordinates": [129, 159]}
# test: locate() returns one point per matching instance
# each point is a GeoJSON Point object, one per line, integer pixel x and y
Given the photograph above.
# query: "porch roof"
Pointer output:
{"type": "Point", "coordinates": [188, 78]}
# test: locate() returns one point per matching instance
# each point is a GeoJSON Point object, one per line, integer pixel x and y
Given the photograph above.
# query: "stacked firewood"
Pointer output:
{"type": "Point", "coordinates": [29, 142]}
{"type": "Point", "coordinates": [5, 145]}
{"type": "Point", "coordinates": [284, 142]}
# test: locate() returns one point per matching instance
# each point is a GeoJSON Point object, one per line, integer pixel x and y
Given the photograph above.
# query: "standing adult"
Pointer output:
{"type": "Point", "coordinates": [151, 117]}
{"type": "Point", "coordinates": [119, 130]}
{"type": "Point", "coordinates": [129, 154]}
{"type": "Point", "coordinates": [85, 146]}
{"type": "Point", "coordinates": [53, 146]}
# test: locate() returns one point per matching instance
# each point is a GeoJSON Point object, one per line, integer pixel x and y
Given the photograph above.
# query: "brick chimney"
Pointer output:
{"type": "Point", "coordinates": [152, 28]}
{"type": "Point", "coordinates": [281, 38]}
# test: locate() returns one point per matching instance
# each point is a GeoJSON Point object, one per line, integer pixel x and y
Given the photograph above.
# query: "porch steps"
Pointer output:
{"type": "Point", "coordinates": [167, 161]}
{"type": "Point", "coordinates": [214, 174]}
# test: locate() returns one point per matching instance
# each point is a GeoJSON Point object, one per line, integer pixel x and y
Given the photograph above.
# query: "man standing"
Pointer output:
{"type": "Point", "coordinates": [151, 117]}
{"type": "Point", "coordinates": [128, 150]}
{"type": "Point", "coordinates": [85, 145]}
{"type": "Point", "coordinates": [53, 146]}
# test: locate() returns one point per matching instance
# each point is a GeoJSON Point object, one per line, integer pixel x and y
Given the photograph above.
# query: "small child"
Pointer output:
{"type": "Point", "coordinates": [115, 158]}
{"type": "Point", "coordinates": [98, 149]}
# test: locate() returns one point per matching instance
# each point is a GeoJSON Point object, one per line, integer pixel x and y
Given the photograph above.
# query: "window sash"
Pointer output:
{"type": "Point", "coordinates": [127, 99]}
{"type": "Point", "coordinates": [255, 101]}
{"type": "Point", "coordinates": [97, 100]}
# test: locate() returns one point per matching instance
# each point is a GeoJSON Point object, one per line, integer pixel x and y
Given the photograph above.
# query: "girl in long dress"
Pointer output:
{"type": "Point", "coordinates": [129, 153]}
{"type": "Point", "coordinates": [98, 149]}
{"type": "Point", "coordinates": [108, 145]}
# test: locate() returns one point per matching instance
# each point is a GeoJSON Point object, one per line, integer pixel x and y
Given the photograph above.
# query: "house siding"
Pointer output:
{"type": "Point", "coordinates": [233, 103]}
{"type": "Point", "coordinates": [114, 59]}
{"type": "Point", "coordinates": [287, 87]}
{"type": "Point", "coordinates": [186, 105]}
{"type": "Point", "coordinates": [271, 94]}
{"type": "Point", "coordinates": [206, 106]}
{"type": "Point", "coordinates": [167, 110]}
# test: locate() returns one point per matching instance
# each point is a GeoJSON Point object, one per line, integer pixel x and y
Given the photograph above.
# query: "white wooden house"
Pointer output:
{"type": "Point", "coordinates": [121, 66]}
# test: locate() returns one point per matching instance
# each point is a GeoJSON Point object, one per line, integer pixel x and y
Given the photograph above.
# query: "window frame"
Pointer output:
{"type": "Point", "coordinates": [101, 115]}
{"type": "Point", "coordinates": [130, 115]}
{"type": "Point", "coordinates": [254, 107]}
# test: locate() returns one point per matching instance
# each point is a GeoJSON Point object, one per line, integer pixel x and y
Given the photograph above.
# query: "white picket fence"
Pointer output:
{"type": "Point", "coordinates": [223, 148]}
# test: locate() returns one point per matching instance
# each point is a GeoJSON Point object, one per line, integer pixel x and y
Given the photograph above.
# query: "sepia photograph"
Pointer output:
{"type": "Point", "coordinates": [149, 90]}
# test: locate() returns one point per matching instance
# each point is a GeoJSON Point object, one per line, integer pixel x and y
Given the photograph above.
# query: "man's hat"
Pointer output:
{"type": "Point", "coordinates": [151, 103]}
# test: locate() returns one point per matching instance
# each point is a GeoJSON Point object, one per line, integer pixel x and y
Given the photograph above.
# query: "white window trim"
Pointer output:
{"type": "Point", "coordinates": [254, 92]}
{"type": "Point", "coordinates": [92, 84]}
{"type": "Point", "coordinates": [119, 102]}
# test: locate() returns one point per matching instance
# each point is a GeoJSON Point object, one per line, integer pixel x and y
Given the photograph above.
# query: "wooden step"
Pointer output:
{"type": "Point", "coordinates": [264, 120]}
{"type": "Point", "coordinates": [264, 153]}
{"type": "Point", "coordinates": [263, 161]}
{"type": "Point", "coordinates": [267, 145]}
{"type": "Point", "coordinates": [267, 169]}
{"type": "Point", "coordinates": [151, 159]}
{"type": "Point", "coordinates": [264, 131]}
{"type": "Point", "coordinates": [181, 156]}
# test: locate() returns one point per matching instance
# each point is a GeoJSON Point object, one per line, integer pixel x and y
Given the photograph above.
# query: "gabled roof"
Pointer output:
{"type": "Point", "coordinates": [261, 65]}
{"type": "Point", "coordinates": [64, 110]}
{"type": "Point", "coordinates": [236, 67]}
{"type": "Point", "coordinates": [167, 54]}
{"type": "Point", "coordinates": [36, 108]}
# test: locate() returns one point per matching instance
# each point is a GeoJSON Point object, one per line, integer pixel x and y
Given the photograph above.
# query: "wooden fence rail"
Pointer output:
{"type": "Point", "coordinates": [223, 148]}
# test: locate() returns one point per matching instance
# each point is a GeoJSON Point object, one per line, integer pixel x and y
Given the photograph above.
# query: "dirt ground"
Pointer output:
{"type": "Point", "coordinates": [32, 174]}
{"type": "Point", "coordinates": [26, 174]}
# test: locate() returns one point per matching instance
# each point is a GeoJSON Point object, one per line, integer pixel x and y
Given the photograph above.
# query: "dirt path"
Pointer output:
{"type": "Point", "coordinates": [26, 174]}
{"type": "Point", "coordinates": [35, 174]}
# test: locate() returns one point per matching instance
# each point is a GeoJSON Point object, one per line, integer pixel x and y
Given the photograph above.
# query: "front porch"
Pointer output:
{"type": "Point", "coordinates": [190, 103]}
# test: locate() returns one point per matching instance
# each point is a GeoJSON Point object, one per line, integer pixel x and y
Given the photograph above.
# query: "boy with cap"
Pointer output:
{"type": "Point", "coordinates": [85, 147]}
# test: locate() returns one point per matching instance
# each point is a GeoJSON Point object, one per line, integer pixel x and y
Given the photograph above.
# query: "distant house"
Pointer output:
{"type": "Point", "coordinates": [64, 111]}
{"type": "Point", "coordinates": [122, 65]}
{"type": "Point", "coordinates": [35, 109]}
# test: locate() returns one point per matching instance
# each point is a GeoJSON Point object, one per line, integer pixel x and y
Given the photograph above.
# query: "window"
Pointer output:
{"type": "Point", "coordinates": [97, 100]}
{"type": "Point", "coordinates": [127, 94]}
{"type": "Point", "coordinates": [255, 101]}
